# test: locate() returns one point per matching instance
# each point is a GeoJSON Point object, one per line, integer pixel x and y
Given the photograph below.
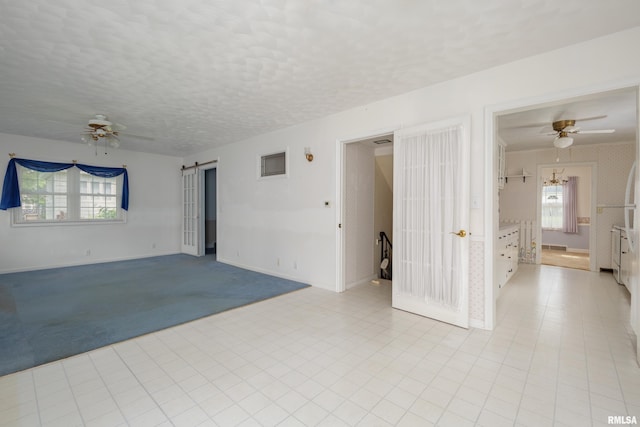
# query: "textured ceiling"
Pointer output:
{"type": "Point", "coordinates": [194, 74]}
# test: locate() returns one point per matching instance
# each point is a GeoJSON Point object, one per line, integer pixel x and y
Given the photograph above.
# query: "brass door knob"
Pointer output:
{"type": "Point", "coordinates": [460, 233]}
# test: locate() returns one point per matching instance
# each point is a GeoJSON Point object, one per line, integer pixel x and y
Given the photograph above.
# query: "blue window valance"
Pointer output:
{"type": "Point", "coordinates": [11, 190]}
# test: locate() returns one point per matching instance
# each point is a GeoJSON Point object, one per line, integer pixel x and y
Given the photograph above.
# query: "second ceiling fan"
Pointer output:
{"type": "Point", "coordinates": [565, 129]}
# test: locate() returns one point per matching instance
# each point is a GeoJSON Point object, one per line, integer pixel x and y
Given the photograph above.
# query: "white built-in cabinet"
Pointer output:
{"type": "Point", "coordinates": [621, 256]}
{"type": "Point", "coordinates": [508, 240]}
{"type": "Point", "coordinates": [507, 246]}
{"type": "Point", "coordinates": [625, 262]}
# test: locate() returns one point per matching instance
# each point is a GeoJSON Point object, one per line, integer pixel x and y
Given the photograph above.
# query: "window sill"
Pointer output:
{"type": "Point", "coordinates": [67, 223]}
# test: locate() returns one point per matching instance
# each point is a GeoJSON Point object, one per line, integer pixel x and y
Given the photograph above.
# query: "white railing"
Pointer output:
{"type": "Point", "coordinates": [527, 247]}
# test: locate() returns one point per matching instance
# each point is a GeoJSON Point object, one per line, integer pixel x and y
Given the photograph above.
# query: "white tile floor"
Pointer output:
{"type": "Point", "coordinates": [562, 354]}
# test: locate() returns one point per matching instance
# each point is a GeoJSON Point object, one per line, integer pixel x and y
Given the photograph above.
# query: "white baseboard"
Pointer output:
{"type": "Point", "coordinates": [579, 251]}
{"type": "Point", "coordinates": [275, 274]}
{"type": "Point", "coordinates": [475, 323]}
{"type": "Point", "coordinates": [566, 248]}
{"type": "Point", "coordinates": [88, 261]}
{"type": "Point", "coordinates": [362, 281]}
{"type": "Point", "coordinates": [257, 269]}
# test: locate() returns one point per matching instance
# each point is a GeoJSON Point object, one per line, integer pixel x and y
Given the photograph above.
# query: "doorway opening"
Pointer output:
{"type": "Point", "coordinates": [210, 211]}
{"type": "Point", "coordinates": [200, 207]}
{"type": "Point", "coordinates": [608, 141]}
{"type": "Point", "coordinates": [365, 211]}
{"type": "Point", "coordinates": [567, 188]}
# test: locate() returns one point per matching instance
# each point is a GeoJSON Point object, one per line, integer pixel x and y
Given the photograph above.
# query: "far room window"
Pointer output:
{"type": "Point", "coordinates": [552, 207]}
{"type": "Point", "coordinates": [274, 164]}
{"type": "Point", "coordinates": [70, 195]}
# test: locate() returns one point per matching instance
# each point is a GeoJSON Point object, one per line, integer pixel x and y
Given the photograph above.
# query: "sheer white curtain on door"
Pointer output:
{"type": "Point", "coordinates": [430, 256]}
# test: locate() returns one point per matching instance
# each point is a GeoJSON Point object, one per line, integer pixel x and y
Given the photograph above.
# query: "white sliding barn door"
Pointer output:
{"type": "Point", "coordinates": [190, 212]}
{"type": "Point", "coordinates": [431, 219]}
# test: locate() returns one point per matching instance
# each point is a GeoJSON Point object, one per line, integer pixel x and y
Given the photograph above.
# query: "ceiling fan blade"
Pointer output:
{"type": "Point", "coordinates": [131, 135]}
{"type": "Point", "coordinates": [118, 126]}
{"type": "Point", "coordinates": [560, 117]}
{"type": "Point", "coordinates": [604, 116]}
{"type": "Point", "coordinates": [530, 125]}
{"type": "Point", "coordinates": [113, 141]}
{"type": "Point", "coordinates": [66, 123]}
{"type": "Point", "coordinates": [598, 131]}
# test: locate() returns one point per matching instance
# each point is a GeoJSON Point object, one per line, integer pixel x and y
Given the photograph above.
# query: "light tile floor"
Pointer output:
{"type": "Point", "coordinates": [562, 354]}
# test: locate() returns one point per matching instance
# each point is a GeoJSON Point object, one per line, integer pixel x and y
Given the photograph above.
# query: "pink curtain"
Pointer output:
{"type": "Point", "coordinates": [570, 205]}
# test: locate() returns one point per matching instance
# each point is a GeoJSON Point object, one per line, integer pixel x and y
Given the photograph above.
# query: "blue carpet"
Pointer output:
{"type": "Point", "coordinates": [48, 315]}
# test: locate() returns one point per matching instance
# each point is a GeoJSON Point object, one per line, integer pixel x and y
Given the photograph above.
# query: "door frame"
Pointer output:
{"type": "Point", "coordinates": [341, 146]}
{"type": "Point", "coordinates": [593, 226]}
{"type": "Point", "coordinates": [202, 199]}
{"type": "Point", "coordinates": [199, 204]}
{"type": "Point", "coordinates": [491, 216]}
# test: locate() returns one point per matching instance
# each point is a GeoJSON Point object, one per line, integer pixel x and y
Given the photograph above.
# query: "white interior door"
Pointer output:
{"type": "Point", "coordinates": [190, 212]}
{"type": "Point", "coordinates": [430, 220]}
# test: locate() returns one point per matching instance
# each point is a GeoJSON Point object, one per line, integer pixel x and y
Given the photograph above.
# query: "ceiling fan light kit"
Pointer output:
{"type": "Point", "coordinates": [100, 130]}
{"type": "Point", "coordinates": [99, 121]}
{"type": "Point", "coordinates": [563, 141]}
{"type": "Point", "coordinates": [563, 128]}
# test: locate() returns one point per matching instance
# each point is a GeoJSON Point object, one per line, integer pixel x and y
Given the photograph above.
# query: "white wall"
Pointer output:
{"type": "Point", "coordinates": [153, 218]}
{"type": "Point", "coordinates": [358, 223]}
{"type": "Point", "coordinates": [287, 218]}
{"type": "Point", "coordinates": [518, 199]}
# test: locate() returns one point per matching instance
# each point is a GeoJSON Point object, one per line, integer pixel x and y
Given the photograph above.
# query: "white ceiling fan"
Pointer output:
{"type": "Point", "coordinates": [100, 128]}
{"type": "Point", "coordinates": [565, 129]}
